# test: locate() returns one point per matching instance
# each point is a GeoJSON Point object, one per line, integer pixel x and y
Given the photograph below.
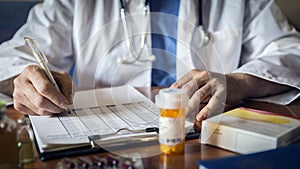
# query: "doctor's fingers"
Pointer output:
{"type": "Point", "coordinates": [30, 111]}
{"type": "Point", "coordinates": [22, 104]}
{"type": "Point", "coordinates": [28, 97]}
{"type": "Point", "coordinates": [23, 109]}
{"type": "Point", "coordinates": [192, 81]}
{"type": "Point", "coordinates": [65, 82]}
{"type": "Point", "coordinates": [36, 76]}
{"type": "Point", "coordinates": [200, 96]}
{"type": "Point", "coordinates": [214, 106]}
{"type": "Point", "coordinates": [196, 75]}
{"type": "Point", "coordinates": [199, 99]}
{"type": "Point", "coordinates": [194, 108]}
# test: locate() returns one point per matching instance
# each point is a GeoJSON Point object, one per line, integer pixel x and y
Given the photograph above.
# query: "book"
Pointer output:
{"type": "Point", "coordinates": [245, 130]}
{"type": "Point", "coordinates": [282, 157]}
{"type": "Point", "coordinates": [98, 112]}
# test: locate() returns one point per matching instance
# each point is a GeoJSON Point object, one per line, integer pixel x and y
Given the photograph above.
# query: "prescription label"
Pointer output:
{"type": "Point", "coordinates": [170, 130]}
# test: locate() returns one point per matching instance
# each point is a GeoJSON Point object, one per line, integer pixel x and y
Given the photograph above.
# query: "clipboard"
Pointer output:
{"type": "Point", "coordinates": [120, 106]}
{"type": "Point", "coordinates": [93, 147]}
{"type": "Point", "coordinates": [97, 142]}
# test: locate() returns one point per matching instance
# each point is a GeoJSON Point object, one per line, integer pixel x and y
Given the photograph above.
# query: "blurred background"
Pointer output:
{"type": "Point", "coordinates": [13, 14]}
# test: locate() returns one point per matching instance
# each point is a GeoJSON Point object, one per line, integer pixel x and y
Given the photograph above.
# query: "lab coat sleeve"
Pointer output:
{"type": "Point", "coordinates": [271, 49]}
{"type": "Point", "coordinates": [50, 23]}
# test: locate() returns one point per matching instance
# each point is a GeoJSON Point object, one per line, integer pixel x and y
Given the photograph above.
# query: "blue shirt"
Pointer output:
{"type": "Point", "coordinates": [164, 33]}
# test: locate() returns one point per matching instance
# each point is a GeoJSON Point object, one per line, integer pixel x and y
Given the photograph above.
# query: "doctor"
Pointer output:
{"type": "Point", "coordinates": [220, 52]}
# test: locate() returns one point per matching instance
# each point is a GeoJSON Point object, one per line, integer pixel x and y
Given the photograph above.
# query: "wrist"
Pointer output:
{"type": "Point", "coordinates": [7, 86]}
{"type": "Point", "coordinates": [239, 85]}
{"type": "Point", "coordinates": [254, 87]}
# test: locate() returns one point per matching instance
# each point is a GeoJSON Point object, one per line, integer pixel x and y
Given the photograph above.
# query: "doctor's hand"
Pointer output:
{"type": "Point", "coordinates": [34, 94]}
{"type": "Point", "coordinates": [209, 92]}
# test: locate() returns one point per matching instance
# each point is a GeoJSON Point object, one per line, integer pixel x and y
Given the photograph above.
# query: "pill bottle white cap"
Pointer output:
{"type": "Point", "coordinates": [171, 99]}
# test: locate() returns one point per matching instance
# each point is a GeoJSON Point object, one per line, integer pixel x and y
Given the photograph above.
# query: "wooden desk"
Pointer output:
{"type": "Point", "coordinates": [194, 151]}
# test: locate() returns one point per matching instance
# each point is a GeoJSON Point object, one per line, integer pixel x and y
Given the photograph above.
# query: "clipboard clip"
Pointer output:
{"type": "Point", "coordinates": [94, 138]}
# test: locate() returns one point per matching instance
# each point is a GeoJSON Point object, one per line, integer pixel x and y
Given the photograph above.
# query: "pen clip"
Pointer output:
{"type": "Point", "coordinates": [94, 138]}
{"type": "Point", "coordinates": [147, 130]}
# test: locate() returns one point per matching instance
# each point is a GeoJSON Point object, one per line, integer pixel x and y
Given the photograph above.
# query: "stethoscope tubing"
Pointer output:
{"type": "Point", "coordinates": [128, 42]}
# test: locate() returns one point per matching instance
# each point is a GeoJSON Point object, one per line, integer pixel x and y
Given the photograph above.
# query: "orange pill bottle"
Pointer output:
{"type": "Point", "coordinates": [172, 104]}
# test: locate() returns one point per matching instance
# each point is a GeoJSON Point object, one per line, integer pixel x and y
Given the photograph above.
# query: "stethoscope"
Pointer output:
{"type": "Point", "coordinates": [136, 58]}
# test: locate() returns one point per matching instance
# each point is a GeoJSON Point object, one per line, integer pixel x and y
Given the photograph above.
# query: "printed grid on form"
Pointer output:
{"type": "Point", "coordinates": [108, 119]}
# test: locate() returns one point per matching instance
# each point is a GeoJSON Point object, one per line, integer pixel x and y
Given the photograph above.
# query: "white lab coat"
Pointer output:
{"type": "Point", "coordinates": [246, 36]}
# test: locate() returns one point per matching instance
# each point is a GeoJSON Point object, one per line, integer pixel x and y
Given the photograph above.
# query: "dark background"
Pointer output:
{"type": "Point", "coordinates": [13, 15]}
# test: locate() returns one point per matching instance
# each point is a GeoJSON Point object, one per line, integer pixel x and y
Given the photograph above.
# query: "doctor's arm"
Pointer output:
{"type": "Point", "coordinates": [209, 91]}
{"type": "Point", "coordinates": [269, 66]}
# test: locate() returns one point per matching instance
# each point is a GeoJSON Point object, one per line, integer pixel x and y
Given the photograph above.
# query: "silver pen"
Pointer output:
{"type": "Point", "coordinates": [41, 58]}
